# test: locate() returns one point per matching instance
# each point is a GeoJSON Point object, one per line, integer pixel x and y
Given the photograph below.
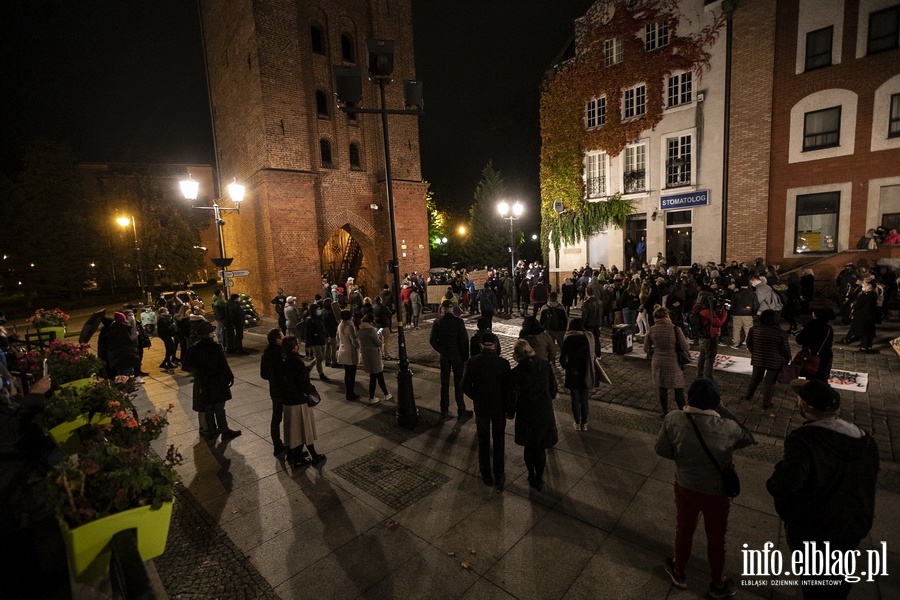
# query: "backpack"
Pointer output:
{"type": "Point", "coordinates": [698, 328]}
{"type": "Point", "coordinates": [555, 319]}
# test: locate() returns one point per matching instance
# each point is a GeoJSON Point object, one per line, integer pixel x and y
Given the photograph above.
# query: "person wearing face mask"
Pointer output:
{"type": "Point", "coordinates": [316, 338]}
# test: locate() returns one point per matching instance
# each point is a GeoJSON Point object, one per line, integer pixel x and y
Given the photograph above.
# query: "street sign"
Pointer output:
{"type": "Point", "coordinates": [240, 273]}
{"type": "Point", "coordinates": [228, 283]}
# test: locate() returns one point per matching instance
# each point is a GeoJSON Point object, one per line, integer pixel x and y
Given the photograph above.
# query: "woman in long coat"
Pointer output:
{"type": "Point", "coordinates": [818, 336]}
{"type": "Point", "coordinates": [212, 382]}
{"type": "Point", "coordinates": [864, 316]}
{"type": "Point", "coordinates": [415, 300]}
{"type": "Point", "coordinates": [577, 360]}
{"type": "Point", "coordinates": [769, 351]}
{"type": "Point", "coordinates": [348, 352]}
{"type": "Point", "coordinates": [534, 388]}
{"type": "Point", "coordinates": [662, 343]}
{"type": "Point", "coordinates": [299, 421]}
{"type": "Point", "coordinates": [370, 349]}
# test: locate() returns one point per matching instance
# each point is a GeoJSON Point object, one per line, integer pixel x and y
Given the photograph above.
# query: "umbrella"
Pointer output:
{"type": "Point", "coordinates": [90, 326]}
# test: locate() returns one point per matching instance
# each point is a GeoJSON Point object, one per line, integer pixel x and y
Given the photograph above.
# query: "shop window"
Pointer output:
{"type": "Point", "coordinates": [679, 232]}
{"type": "Point", "coordinates": [817, 222]}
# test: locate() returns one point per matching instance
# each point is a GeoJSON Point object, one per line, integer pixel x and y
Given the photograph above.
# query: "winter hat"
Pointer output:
{"type": "Point", "coordinates": [119, 317]}
{"type": "Point", "coordinates": [817, 394]}
{"type": "Point", "coordinates": [489, 339]}
{"type": "Point", "coordinates": [345, 315]}
{"type": "Point", "coordinates": [205, 328]}
{"type": "Point", "coordinates": [704, 394]}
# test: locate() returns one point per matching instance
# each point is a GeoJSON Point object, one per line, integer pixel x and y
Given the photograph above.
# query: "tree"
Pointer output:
{"type": "Point", "coordinates": [488, 242]}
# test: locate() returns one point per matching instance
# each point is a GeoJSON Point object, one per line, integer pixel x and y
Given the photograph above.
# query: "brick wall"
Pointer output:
{"type": "Point", "coordinates": [263, 80]}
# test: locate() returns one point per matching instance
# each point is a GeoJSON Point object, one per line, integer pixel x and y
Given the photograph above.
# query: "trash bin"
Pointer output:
{"type": "Point", "coordinates": [622, 339]}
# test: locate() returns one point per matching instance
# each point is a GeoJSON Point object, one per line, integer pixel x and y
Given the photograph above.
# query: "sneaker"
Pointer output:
{"type": "Point", "coordinates": [230, 434]}
{"type": "Point", "coordinates": [388, 397]}
{"type": "Point", "coordinates": [373, 401]}
{"type": "Point", "coordinates": [727, 590]}
{"type": "Point", "coordinates": [584, 426]}
{"type": "Point", "coordinates": [576, 426]}
{"type": "Point", "coordinates": [679, 581]}
{"type": "Point", "coordinates": [736, 346]}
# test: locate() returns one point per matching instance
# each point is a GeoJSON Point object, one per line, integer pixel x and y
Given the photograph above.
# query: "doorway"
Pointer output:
{"type": "Point", "coordinates": [636, 229]}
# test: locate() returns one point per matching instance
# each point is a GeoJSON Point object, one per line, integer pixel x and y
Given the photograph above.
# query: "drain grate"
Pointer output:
{"type": "Point", "coordinates": [390, 478]}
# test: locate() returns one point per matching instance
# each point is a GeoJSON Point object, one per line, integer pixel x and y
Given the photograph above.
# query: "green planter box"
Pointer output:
{"type": "Point", "coordinates": [62, 433]}
{"type": "Point", "coordinates": [60, 331]}
{"type": "Point", "coordinates": [87, 546]}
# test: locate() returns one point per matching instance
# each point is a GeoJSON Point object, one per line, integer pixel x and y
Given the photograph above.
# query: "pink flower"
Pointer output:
{"type": "Point", "coordinates": [131, 423]}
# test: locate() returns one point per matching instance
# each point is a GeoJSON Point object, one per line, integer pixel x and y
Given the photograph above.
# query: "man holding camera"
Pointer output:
{"type": "Point", "coordinates": [712, 319]}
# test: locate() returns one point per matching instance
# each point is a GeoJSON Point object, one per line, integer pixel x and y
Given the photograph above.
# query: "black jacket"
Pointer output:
{"type": "Point", "coordinates": [533, 390]}
{"type": "Point", "coordinates": [486, 382]}
{"type": "Point", "coordinates": [294, 380]}
{"type": "Point", "coordinates": [212, 376]}
{"type": "Point", "coordinates": [121, 347]}
{"type": "Point", "coordinates": [824, 487]}
{"type": "Point", "coordinates": [270, 367]}
{"type": "Point", "coordinates": [449, 338]}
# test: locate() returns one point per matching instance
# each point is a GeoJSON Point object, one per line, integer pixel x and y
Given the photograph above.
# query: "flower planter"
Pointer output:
{"type": "Point", "coordinates": [88, 545]}
{"type": "Point", "coordinates": [62, 433]}
{"type": "Point", "coordinates": [60, 331]}
{"type": "Point", "coordinates": [78, 384]}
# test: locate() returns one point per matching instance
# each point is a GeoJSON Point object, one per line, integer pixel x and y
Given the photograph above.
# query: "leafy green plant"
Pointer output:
{"type": "Point", "coordinates": [67, 403]}
{"type": "Point", "coordinates": [66, 362]}
{"type": "Point", "coordinates": [44, 317]}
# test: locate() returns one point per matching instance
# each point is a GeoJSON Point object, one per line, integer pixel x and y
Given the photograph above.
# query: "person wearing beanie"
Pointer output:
{"type": "Point", "coordinates": [698, 482]}
{"type": "Point", "coordinates": [824, 487]}
{"type": "Point", "coordinates": [486, 382]}
{"type": "Point", "coordinates": [212, 382]}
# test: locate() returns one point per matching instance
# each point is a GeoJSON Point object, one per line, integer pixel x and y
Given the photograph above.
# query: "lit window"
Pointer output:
{"type": "Point", "coordinates": [818, 48]}
{"type": "Point", "coordinates": [680, 89]}
{"type": "Point", "coordinates": [635, 101]}
{"type": "Point", "coordinates": [635, 172]}
{"type": "Point", "coordinates": [822, 129]}
{"type": "Point", "coordinates": [595, 175]}
{"type": "Point", "coordinates": [317, 39]}
{"type": "Point", "coordinates": [884, 29]}
{"type": "Point", "coordinates": [894, 122]}
{"type": "Point", "coordinates": [656, 35]}
{"type": "Point", "coordinates": [612, 52]}
{"type": "Point", "coordinates": [595, 112]}
{"type": "Point", "coordinates": [678, 161]}
{"type": "Point", "coordinates": [325, 152]}
{"type": "Point", "coordinates": [817, 222]}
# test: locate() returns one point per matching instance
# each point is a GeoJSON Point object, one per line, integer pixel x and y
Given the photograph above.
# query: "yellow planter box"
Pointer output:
{"type": "Point", "coordinates": [62, 433]}
{"type": "Point", "coordinates": [88, 545]}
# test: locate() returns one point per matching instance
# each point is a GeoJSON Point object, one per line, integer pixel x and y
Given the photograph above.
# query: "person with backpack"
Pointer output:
{"type": "Point", "coordinates": [488, 303]}
{"type": "Point", "coordinates": [766, 297]}
{"type": "Point", "coordinates": [553, 319]}
{"type": "Point", "coordinates": [706, 323]}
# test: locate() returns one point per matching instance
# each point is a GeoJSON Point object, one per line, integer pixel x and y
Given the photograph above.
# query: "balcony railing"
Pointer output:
{"type": "Point", "coordinates": [678, 174]}
{"type": "Point", "coordinates": [595, 187]}
{"type": "Point", "coordinates": [635, 181]}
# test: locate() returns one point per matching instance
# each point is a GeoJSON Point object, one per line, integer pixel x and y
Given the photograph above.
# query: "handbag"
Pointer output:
{"type": "Point", "coordinates": [807, 362]}
{"type": "Point", "coordinates": [788, 373]}
{"type": "Point", "coordinates": [731, 483]}
{"type": "Point", "coordinates": [312, 396]}
{"type": "Point", "coordinates": [684, 357]}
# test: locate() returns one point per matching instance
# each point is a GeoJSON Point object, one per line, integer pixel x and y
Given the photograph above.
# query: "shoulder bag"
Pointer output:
{"type": "Point", "coordinates": [684, 357]}
{"type": "Point", "coordinates": [731, 484]}
{"type": "Point", "coordinates": [806, 361]}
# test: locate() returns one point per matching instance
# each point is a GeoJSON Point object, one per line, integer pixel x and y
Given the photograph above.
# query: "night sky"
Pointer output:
{"type": "Point", "coordinates": [124, 81]}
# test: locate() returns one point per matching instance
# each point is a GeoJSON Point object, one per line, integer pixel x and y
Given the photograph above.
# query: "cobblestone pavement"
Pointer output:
{"type": "Point", "coordinates": [877, 410]}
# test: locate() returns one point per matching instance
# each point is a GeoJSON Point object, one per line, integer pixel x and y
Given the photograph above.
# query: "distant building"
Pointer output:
{"type": "Point", "coordinates": [813, 147]}
{"type": "Point", "coordinates": [315, 202]}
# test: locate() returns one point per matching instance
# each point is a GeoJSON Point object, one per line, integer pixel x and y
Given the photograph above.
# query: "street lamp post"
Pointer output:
{"type": "Point", "coordinates": [125, 222]}
{"type": "Point", "coordinates": [348, 83]}
{"type": "Point", "coordinates": [511, 214]}
{"type": "Point", "coordinates": [190, 189]}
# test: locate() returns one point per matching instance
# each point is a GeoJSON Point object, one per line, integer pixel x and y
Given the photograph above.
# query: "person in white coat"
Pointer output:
{"type": "Point", "coordinates": [348, 353]}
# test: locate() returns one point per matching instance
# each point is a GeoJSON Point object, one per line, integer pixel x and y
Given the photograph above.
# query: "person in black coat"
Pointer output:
{"type": "Point", "coordinates": [818, 336]}
{"type": "Point", "coordinates": [533, 389]}
{"type": "Point", "coordinates": [121, 347]}
{"type": "Point", "coordinates": [486, 382]}
{"type": "Point", "coordinates": [299, 420]}
{"type": "Point", "coordinates": [212, 382]}
{"type": "Point", "coordinates": [235, 325]}
{"type": "Point", "coordinates": [270, 367]}
{"type": "Point", "coordinates": [165, 329]}
{"type": "Point", "coordinates": [450, 340]}
{"type": "Point", "coordinates": [864, 317]}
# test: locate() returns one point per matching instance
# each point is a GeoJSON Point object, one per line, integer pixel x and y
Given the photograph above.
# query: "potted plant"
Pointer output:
{"type": "Point", "coordinates": [70, 408]}
{"type": "Point", "coordinates": [68, 363]}
{"type": "Point", "coordinates": [50, 320]}
{"type": "Point", "coordinates": [115, 483]}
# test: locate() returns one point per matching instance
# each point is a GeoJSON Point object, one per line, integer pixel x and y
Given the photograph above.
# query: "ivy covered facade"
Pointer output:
{"type": "Point", "coordinates": [632, 127]}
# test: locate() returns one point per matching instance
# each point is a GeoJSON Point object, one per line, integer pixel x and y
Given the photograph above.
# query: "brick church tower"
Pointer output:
{"type": "Point", "coordinates": [316, 201]}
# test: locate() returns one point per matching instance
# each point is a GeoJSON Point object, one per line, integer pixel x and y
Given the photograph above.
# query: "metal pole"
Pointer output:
{"type": "Point", "coordinates": [407, 413]}
{"type": "Point", "coordinates": [217, 217]}
{"type": "Point", "coordinates": [140, 268]}
{"type": "Point", "coordinates": [512, 264]}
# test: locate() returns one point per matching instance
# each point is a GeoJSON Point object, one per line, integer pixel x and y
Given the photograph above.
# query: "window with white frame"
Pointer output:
{"type": "Point", "coordinates": [634, 174]}
{"type": "Point", "coordinates": [595, 175]}
{"type": "Point", "coordinates": [595, 112]}
{"type": "Point", "coordinates": [822, 129]}
{"type": "Point", "coordinates": [679, 155]}
{"type": "Point", "coordinates": [680, 89]}
{"type": "Point", "coordinates": [818, 48]}
{"type": "Point", "coordinates": [816, 227]}
{"type": "Point", "coordinates": [634, 101]}
{"type": "Point", "coordinates": [612, 52]}
{"type": "Point", "coordinates": [656, 35]}
{"type": "Point", "coordinates": [884, 30]}
{"type": "Point", "coordinates": [894, 120]}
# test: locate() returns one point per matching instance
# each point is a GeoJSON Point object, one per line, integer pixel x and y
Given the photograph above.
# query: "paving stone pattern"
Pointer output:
{"type": "Point", "coordinates": [385, 425]}
{"type": "Point", "coordinates": [390, 478]}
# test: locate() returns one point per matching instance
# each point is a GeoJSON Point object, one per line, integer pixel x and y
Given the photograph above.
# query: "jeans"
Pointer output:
{"type": "Point", "coordinates": [629, 316]}
{"type": "Point", "coordinates": [580, 405]}
{"type": "Point", "coordinates": [275, 425]}
{"type": "Point", "coordinates": [708, 349]}
{"type": "Point", "coordinates": [350, 381]}
{"type": "Point", "coordinates": [215, 417]}
{"type": "Point", "coordinates": [457, 367]}
{"type": "Point", "coordinates": [379, 379]}
{"type": "Point", "coordinates": [491, 428]}
{"type": "Point", "coordinates": [768, 377]}
{"type": "Point", "coordinates": [688, 507]}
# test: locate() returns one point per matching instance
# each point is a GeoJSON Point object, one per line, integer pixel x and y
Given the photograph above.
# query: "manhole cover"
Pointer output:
{"type": "Point", "coordinates": [391, 479]}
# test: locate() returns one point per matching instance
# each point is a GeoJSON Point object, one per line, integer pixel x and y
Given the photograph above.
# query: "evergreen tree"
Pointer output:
{"type": "Point", "coordinates": [488, 242]}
